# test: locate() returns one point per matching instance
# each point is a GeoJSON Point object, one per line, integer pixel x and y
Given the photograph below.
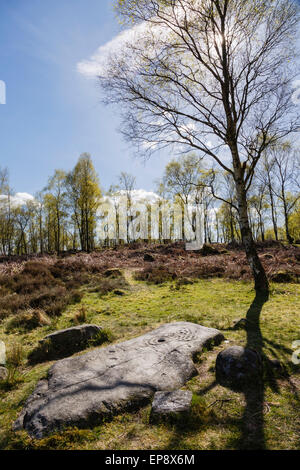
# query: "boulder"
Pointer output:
{"type": "Point", "coordinates": [149, 258]}
{"type": "Point", "coordinates": [3, 373]}
{"type": "Point", "coordinates": [283, 276]}
{"type": "Point", "coordinates": [119, 292]}
{"type": "Point", "coordinates": [237, 367]}
{"type": "Point", "coordinates": [171, 404]}
{"type": "Point", "coordinates": [208, 250]}
{"type": "Point", "coordinates": [113, 272]}
{"type": "Point", "coordinates": [267, 256]}
{"type": "Point", "coordinates": [64, 343]}
{"type": "Point", "coordinates": [84, 389]}
{"type": "Point", "coordinates": [275, 363]}
{"type": "Point", "coordinates": [73, 335]}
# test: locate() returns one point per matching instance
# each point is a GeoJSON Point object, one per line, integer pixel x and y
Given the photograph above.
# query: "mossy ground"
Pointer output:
{"type": "Point", "coordinates": [220, 418]}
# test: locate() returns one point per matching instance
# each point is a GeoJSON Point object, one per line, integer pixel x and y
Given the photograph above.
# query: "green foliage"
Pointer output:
{"type": "Point", "coordinates": [103, 336]}
{"type": "Point", "coordinates": [84, 197]}
{"type": "Point", "coordinates": [28, 320]}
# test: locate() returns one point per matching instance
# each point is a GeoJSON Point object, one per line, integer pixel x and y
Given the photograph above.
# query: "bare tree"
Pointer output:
{"type": "Point", "coordinates": [209, 75]}
{"type": "Point", "coordinates": [6, 215]}
{"type": "Point", "coordinates": [4, 181]}
{"type": "Point", "coordinates": [285, 176]}
{"type": "Point", "coordinates": [56, 198]}
{"type": "Point", "coordinates": [181, 179]}
{"type": "Point", "coordinates": [265, 175]}
{"type": "Point", "coordinates": [258, 203]}
{"type": "Point", "coordinates": [223, 189]}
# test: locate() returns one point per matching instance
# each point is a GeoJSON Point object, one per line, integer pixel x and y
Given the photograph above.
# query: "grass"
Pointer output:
{"type": "Point", "coordinates": [220, 418]}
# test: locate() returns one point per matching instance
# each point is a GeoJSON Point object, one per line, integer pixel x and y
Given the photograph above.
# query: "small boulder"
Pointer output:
{"type": "Point", "coordinates": [149, 258]}
{"type": "Point", "coordinates": [73, 335]}
{"type": "Point", "coordinates": [283, 276]}
{"type": "Point", "coordinates": [114, 272]}
{"type": "Point", "coordinates": [3, 373]}
{"type": "Point", "coordinates": [119, 292]}
{"type": "Point", "coordinates": [237, 367]}
{"type": "Point", "coordinates": [267, 256]}
{"type": "Point", "coordinates": [275, 363]}
{"type": "Point", "coordinates": [171, 404]}
{"type": "Point", "coordinates": [64, 343]}
{"type": "Point", "coordinates": [208, 250]}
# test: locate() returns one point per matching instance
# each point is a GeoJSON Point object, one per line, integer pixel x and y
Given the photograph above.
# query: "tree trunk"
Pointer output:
{"type": "Point", "coordinates": [286, 222]}
{"type": "Point", "coordinates": [260, 278]}
{"type": "Point", "coordinates": [273, 211]}
{"type": "Point", "coordinates": [231, 226]}
{"type": "Point", "coordinates": [261, 226]}
{"type": "Point", "coordinates": [286, 216]}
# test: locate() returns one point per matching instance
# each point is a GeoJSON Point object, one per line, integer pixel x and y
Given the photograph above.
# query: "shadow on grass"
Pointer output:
{"type": "Point", "coordinates": [252, 422]}
{"type": "Point", "coordinates": [250, 426]}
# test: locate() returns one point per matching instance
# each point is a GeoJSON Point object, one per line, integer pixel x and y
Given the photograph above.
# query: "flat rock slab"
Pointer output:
{"type": "Point", "coordinates": [81, 390]}
{"type": "Point", "coordinates": [170, 403]}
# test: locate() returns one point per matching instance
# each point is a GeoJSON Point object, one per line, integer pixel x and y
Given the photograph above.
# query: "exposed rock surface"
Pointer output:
{"type": "Point", "coordinates": [82, 389]}
{"type": "Point", "coordinates": [237, 367]}
{"type": "Point", "coordinates": [3, 373]}
{"type": "Point", "coordinates": [171, 403]}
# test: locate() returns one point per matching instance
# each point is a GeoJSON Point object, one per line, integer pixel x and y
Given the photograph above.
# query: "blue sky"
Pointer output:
{"type": "Point", "coordinates": [52, 113]}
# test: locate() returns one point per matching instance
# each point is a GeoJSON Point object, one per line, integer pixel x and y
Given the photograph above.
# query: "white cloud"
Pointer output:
{"type": "Point", "coordinates": [96, 64]}
{"type": "Point", "coordinates": [138, 196]}
{"type": "Point", "coordinates": [18, 200]}
{"type": "Point", "coordinates": [149, 36]}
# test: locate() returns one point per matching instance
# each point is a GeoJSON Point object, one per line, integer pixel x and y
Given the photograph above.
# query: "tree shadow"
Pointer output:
{"type": "Point", "coordinates": [252, 423]}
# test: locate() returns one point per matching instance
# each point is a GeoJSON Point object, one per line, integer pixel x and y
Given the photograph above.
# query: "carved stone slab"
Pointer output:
{"type": "Point", "coordinates": [81, 389]}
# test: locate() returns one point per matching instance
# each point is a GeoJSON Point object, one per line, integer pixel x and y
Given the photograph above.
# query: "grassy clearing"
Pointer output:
{"type": "Point", "coordinates": [220, 418]}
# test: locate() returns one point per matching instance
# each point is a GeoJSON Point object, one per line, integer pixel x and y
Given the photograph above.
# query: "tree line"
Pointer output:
{"type": "Point", "coordinates": [61, 217]}
{"type": "Point", "coordinates": [273, 203]}
{"type": "Point", "coordinates": [66, 213]}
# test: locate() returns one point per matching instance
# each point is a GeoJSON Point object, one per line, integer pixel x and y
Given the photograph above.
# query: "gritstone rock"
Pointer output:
{"type": "Point", "coordinates": [81, 390]}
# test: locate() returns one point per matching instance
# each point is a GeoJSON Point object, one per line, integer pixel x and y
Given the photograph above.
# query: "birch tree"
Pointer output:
{"type": "Point", "coordinates": [214, 76]}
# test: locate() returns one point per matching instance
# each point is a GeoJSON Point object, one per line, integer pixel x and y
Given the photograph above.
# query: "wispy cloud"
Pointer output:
{"type": "Point", "coordinates": [150, 36]}
{"type": "Point", "coordinates": [96, 64]}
